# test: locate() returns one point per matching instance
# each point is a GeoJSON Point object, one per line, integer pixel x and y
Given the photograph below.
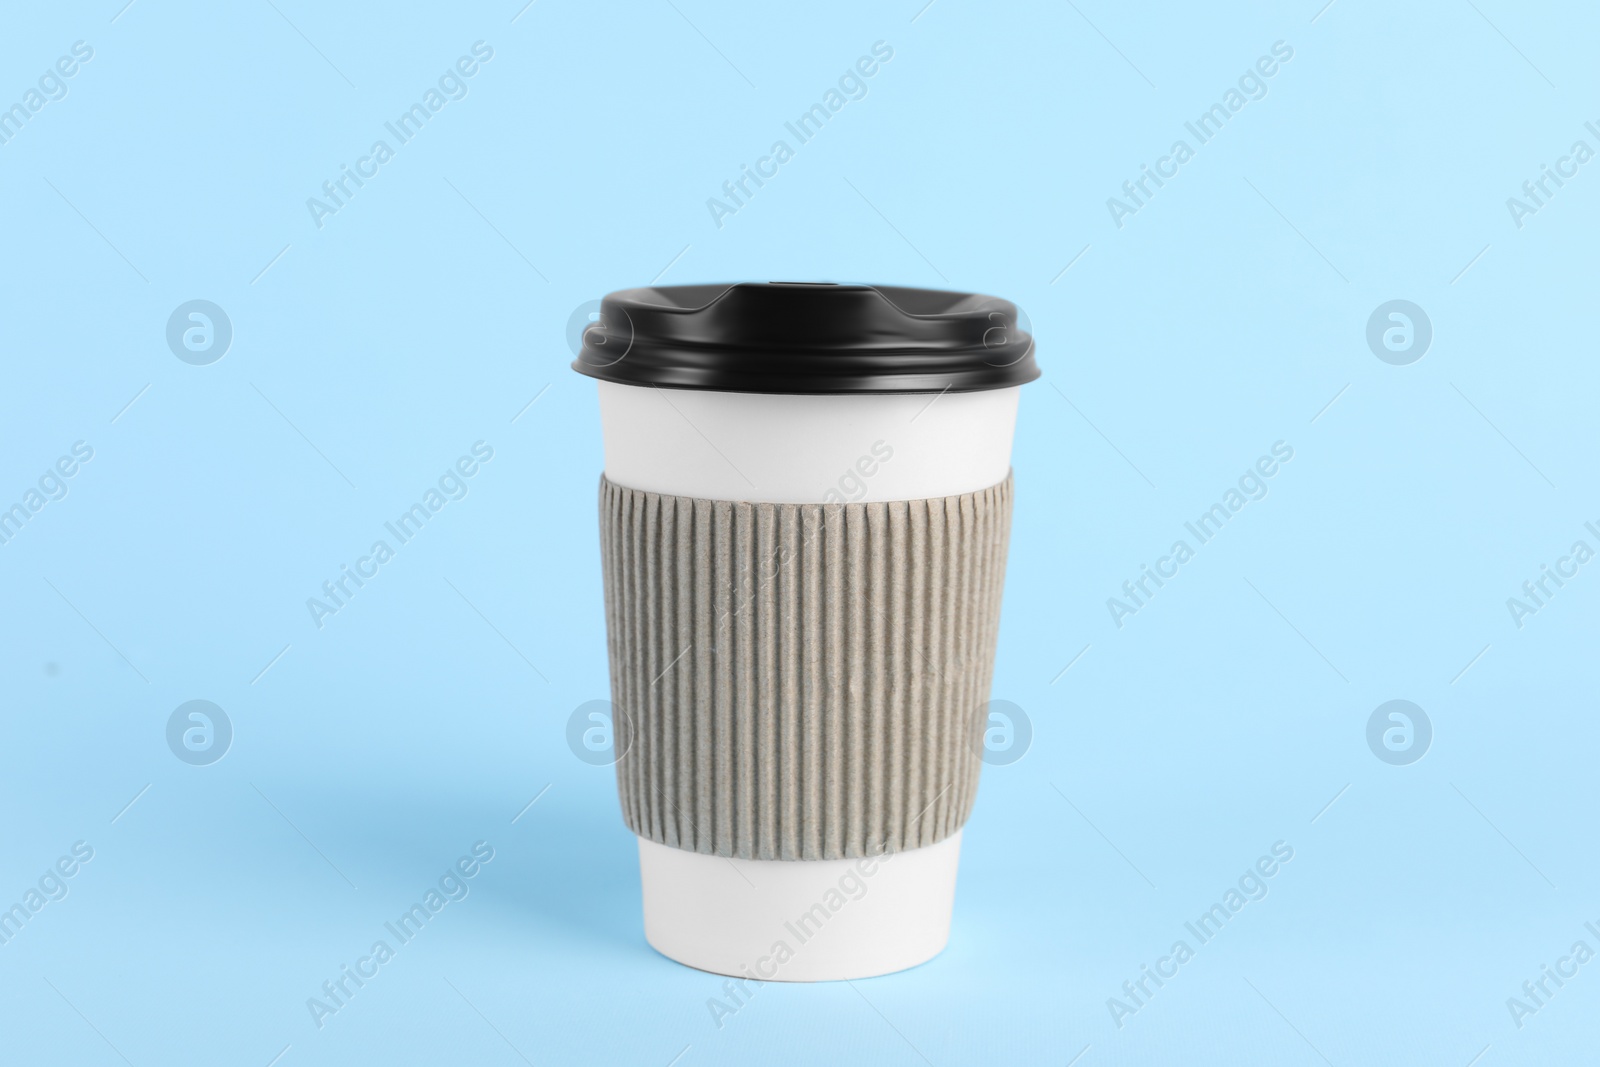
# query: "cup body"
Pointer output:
{"type": "Point", "coordinates": [803, 919]}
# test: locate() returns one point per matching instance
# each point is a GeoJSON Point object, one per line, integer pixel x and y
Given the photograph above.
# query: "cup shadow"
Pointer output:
{"type": "Point", "coordinates": [566, 868]}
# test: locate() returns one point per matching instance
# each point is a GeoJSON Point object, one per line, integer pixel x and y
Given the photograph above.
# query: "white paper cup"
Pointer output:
{"type": "Point", "coordinates": [812, 919]}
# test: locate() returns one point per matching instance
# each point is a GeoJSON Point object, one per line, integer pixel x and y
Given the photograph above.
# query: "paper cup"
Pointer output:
{"type": "Point", "coordinates": [805, 509]}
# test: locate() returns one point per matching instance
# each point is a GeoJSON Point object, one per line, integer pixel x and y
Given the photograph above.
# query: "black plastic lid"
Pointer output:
{"type": "Point", "coordinates": [807, 337]}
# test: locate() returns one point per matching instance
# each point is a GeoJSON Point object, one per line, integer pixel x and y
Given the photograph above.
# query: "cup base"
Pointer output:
{"type": "Point", "coordinates": [799, 920]}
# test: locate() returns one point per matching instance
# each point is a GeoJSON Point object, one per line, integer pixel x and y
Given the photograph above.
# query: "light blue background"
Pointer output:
{"type": "Point", "coordinates": [1227, 314]}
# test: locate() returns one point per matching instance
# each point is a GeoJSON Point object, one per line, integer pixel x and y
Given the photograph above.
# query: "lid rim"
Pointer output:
{"type": "Point", "coordinates": [807, 338]}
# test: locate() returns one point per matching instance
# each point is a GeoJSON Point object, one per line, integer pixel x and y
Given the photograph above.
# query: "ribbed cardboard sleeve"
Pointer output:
{"type": "Point", "coordinates": [800, 681]}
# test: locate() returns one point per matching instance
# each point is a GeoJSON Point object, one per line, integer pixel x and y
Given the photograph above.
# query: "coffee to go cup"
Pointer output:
{"type": "Point", "coordinates": [803, 520]}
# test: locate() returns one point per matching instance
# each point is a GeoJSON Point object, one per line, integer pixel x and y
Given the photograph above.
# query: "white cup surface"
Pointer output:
{"type": "Point", "coordinates": [799, 920]}
{"type": "Point", "coordinates": [806, 449]}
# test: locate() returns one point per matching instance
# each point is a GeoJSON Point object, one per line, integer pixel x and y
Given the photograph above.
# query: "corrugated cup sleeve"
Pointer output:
{"type": "Point", "coordinates": [800, 681]}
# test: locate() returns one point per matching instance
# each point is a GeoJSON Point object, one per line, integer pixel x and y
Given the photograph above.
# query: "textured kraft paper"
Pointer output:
{"type": "Point", "coordinates": [800, 681]}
